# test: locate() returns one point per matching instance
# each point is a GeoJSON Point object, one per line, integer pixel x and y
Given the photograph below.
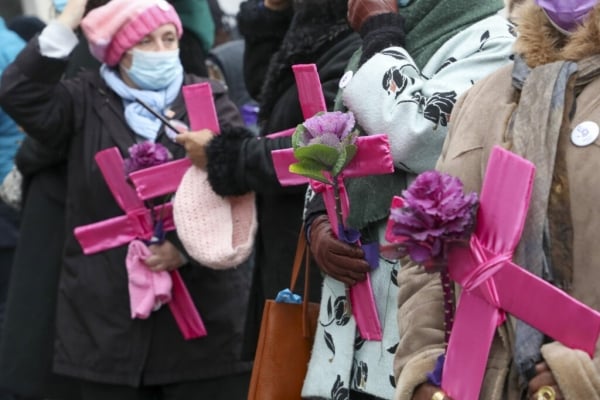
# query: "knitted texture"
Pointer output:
{"type": "Point", "coordinates": [119, 25]}
{"type": "Point", "coordinates": [218, 232]}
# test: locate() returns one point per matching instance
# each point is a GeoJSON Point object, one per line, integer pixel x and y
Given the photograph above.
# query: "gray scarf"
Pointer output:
{"type": "Point", "coordinates": [538, 129]}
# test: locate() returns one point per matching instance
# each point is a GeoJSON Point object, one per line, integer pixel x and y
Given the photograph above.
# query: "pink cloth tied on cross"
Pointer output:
{"type": "Point", "coordinates": [493, 285]}
{"type": "Point", "coordinates": [148, 290]}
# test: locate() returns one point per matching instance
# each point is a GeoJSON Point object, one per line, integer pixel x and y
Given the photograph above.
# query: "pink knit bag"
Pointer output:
{"type": "Point", "coordinates": [218, 232]}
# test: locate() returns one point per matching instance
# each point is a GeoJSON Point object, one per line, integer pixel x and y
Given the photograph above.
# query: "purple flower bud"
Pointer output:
{"type": "Point", "coordinates": [331, 129]}
{"type": "Point", "coordinates": [145, 155]}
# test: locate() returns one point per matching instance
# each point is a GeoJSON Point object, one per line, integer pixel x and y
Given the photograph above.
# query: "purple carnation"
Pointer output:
{"type": "Point", "coordinates": [331, 129]}
{"type": "Point", "coordinates": [145, 155]}
{"type": "Point", "coordinates": [436, 209]}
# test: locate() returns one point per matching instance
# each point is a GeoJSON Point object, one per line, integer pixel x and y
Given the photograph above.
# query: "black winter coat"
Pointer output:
{"type": "Point", "coordinates": [96, 338]}
{"type": "Point", "coordinates": [239, 163]}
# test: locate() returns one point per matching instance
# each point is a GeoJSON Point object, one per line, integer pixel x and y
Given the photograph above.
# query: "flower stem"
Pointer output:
{"type": "Point", "coordinates": [448, 288]}
{"type": "Point", "coordinates": [338, 203]}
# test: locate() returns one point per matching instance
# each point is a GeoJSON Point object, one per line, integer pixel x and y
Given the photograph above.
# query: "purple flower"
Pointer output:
{"type": "Point", "coordinates": [436, 210]}
{"type": "Point", "coordinates": [332, 129]}
{"type": "Point", "coordinates": [144, 155]}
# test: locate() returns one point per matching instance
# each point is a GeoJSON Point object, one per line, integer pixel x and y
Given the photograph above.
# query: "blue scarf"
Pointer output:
{"type": "Point", "coordinates": [143, 123]}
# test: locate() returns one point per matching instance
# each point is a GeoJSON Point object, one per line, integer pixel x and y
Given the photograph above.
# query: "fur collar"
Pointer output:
{"type": "Point", "coordinates": [539, 42]}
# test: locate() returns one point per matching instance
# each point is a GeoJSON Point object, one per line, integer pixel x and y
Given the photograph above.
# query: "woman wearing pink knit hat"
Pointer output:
{"type": "Point", "coordinates": [113, 355]}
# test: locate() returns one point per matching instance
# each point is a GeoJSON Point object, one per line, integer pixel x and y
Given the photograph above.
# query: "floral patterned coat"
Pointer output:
{"type": "Point", "coordinates": [390, 94]}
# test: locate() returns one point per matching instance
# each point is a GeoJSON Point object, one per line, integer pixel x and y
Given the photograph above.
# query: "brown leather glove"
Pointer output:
{"type": "Point", "coordinates": [342, 261]}
{"type": "Point", "coordinates": [360, 10]}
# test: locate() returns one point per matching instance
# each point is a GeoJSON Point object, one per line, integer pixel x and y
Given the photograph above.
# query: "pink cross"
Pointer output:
{"type": "Point", "coordinates": [137, 221]}
{"type": "Point", "coordinates": [373, 157]}
{"type": "Point", "coordinates": [492, 284]}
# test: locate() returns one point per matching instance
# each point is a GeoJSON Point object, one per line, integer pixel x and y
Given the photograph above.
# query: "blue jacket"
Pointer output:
{"type": "Point", "coordinates": [10, 134]}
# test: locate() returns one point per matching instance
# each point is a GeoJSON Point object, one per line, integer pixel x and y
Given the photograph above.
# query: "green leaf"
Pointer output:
{"type": "Point", "coordinates": [307, 168]}
{"type": "Point", "coordinates": [321, 153]}
{"type": "Point", "coordinates": [337, 168]}
{"type": "Point", "coordinates": [298, 135]}
{"type": "Point", "coordinates": [351, 150]}
{"type": "Point", "coordinates": [347, 154]}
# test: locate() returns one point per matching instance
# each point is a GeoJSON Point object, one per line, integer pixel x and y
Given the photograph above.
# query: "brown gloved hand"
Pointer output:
{"type": "Point", "coordinates": [341, 261]}
{"type": "Point", "coordinates": [360, 10]}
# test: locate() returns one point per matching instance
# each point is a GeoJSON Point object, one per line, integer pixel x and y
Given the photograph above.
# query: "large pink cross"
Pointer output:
{"type": "Point", "coordinates": [150, 183]}
{"type": "Point", "coordinates": [372, 157]}
{"type": "Point", "coordinates": [492, 284]}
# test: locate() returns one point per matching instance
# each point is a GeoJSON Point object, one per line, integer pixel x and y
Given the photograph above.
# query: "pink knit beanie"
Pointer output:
{"type": "Point", "coordinates": [116, 27]}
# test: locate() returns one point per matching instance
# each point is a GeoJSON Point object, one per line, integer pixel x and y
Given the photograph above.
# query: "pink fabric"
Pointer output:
{"type": "Point", "coordinates": [199, 97]}
{"type": "Point", "coordinates": [285, 133]}
{"type": "Point", "coordinates": [150, 182]}
{"type": "Point", "coordinates": [309, 93]}
{"type": "Point", "coordinates": [116, 27]}
{"type": "Point", "coordinates": [136, 223]}
{"type": "Point", "coordinates": [492, 284]}
{"type": "Point", "coordinates": [148, 290]}
{"type": "Point", "coordinates": [190, 324]}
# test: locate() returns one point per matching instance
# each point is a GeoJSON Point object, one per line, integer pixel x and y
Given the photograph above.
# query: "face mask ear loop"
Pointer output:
{"type": "Point", "coordinates": [555, 25]}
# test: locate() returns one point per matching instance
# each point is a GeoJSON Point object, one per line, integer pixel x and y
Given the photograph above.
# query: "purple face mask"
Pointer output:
{"type": "Point", "coordinates": [567, 14]}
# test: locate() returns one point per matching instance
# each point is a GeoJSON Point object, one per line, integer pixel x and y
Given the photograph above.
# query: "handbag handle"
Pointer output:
{"type": "Point", "coordinates": [302, 253]}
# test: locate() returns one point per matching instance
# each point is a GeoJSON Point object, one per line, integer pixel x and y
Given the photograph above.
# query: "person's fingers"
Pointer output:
{"type": "Point", "coordinates": [182, 137]}
{"type": "Point", "coordinates": [541, 367]}
{"type": "Point", "coordinates": [545, 378]}
{"type": "Point", "coordinates": [153, 261]}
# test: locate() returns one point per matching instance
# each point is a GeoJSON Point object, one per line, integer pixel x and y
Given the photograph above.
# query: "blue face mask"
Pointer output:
{"type": "Point", "coordinates": [59, 5]}
{"type": "Point", "coordinates": [403, 3]}
{"type": "Point", "coordinates": [154, 70]}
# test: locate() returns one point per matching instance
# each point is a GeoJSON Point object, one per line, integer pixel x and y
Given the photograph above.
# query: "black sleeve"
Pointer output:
{"type": "Point", "coordinates": [239, 162]}
{"type": "Point", "coordinates": [263, 31]}
{"type": "Point", "coordinates": [32, 93]}
{"type": "Point", "coordinates": [380, 32]}
{"type": "Point", "coordinates": [33, 157]}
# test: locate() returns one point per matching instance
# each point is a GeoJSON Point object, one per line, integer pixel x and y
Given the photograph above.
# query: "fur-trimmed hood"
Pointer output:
{"type": "Point", "coordinates": [539, 42]}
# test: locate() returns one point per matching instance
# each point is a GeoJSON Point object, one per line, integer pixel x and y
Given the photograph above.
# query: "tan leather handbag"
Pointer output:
{"type": "Point", "coordinates": [285, 341]}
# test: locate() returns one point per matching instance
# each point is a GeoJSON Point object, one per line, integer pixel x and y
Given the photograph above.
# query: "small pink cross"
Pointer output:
{"type": "Point", "coordinates": [373, 157]}
{"type": "Point", "coordinates": [137, 221]}
{"type": "Point", "coordinates": [493, 285]}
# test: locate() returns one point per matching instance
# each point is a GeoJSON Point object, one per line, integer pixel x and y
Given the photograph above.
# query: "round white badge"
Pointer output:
{"type": "Point", "coordinates": [346, 79]}
{"type": "Point", "coordinates": [585, 133]}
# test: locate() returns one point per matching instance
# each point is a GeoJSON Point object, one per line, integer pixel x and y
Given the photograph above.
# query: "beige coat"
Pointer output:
{"type": "Point", "coordinates": [479, 121]}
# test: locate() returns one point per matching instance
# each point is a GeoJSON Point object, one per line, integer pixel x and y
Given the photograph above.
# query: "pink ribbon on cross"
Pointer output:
{"type": "Point", "coordinates": [372, 157]}
{"type": "Point", "coordinates": [493, 285]}
{"type": "Point", "coordinates": [137, 221]}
